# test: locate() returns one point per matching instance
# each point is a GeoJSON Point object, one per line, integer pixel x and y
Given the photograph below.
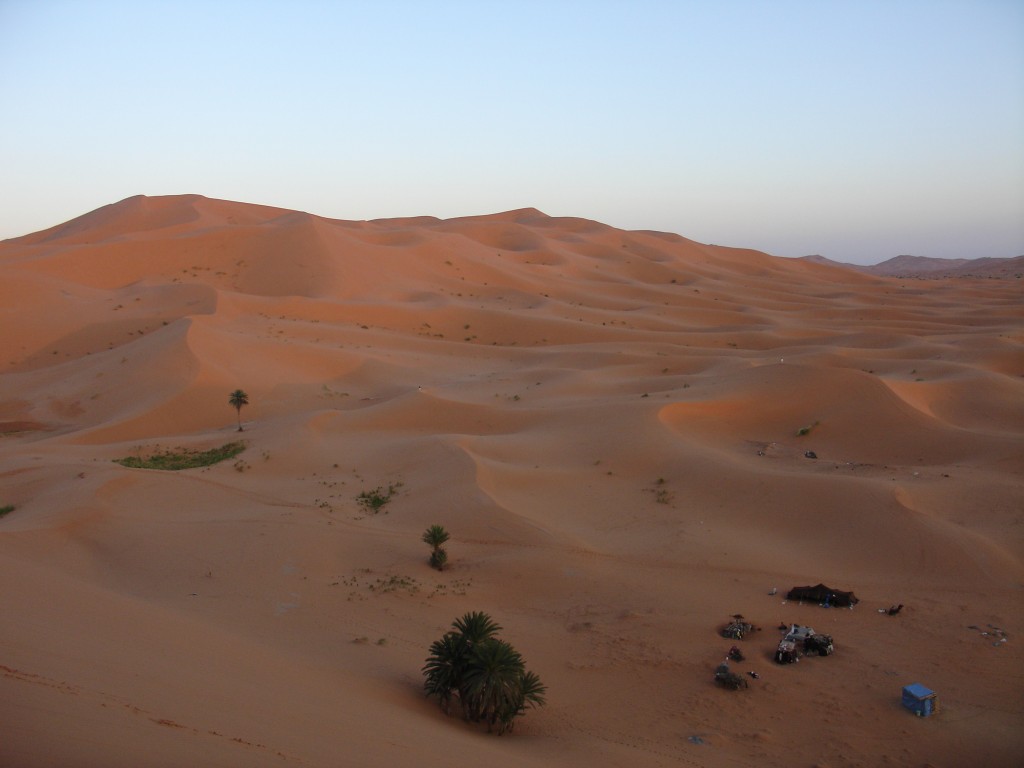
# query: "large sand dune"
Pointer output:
{"type": "Point", "coordinates": [607, 422]}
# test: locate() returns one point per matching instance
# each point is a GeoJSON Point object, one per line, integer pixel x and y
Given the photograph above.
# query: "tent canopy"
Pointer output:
{"type": "Point", "coordinates": [821, 594]}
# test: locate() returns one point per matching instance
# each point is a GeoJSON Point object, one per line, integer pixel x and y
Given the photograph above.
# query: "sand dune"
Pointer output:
{"type": "Point", "coordinates": [614, 426]}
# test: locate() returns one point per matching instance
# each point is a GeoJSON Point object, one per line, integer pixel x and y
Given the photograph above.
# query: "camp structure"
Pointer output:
{"type": "Point", "coordinates": [787, 653]}
{"type": "Point", "coordinates": [799, 637]}
{"type": "Point", "coordinates": [823, 596]}
{"type": "Point", "coordinates": [737, 629]}
{"type": "Point", "coordinates": [920, 700]}
{"type": "Point", "coordinates": [728, 679]}
{"type": "Point", "coordinates": [819, 644]}
{"type": "Point", "coordinates": [799, 633]}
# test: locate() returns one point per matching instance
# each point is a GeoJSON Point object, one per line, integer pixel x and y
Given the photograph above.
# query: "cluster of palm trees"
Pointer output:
{"type": "Point", "coordinates": [486, 674]}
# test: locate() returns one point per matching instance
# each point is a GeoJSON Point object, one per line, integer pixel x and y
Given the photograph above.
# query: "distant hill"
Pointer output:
{"type": "Point", "coordinates": [925, 266]}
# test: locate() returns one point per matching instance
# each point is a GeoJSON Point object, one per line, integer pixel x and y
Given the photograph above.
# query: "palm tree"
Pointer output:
{"type": "Point", "coordinates": [531, 694]}
{"type": "Point", "coordinates": [491, 685]}
{"type": "Point", "coordinates": [435, 536]}
{"type": "Point", "coordinates": [476, 626]}
{"type": "Point", "coordinates": [444, 668]}
{"type": "Point", "coordinates": [237, 399]}
{"type": "Point", "coordinates": [533, 690]}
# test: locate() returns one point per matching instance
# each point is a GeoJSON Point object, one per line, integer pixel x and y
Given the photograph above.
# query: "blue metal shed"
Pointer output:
{"type": "Point", "coordinates": [920, 700]}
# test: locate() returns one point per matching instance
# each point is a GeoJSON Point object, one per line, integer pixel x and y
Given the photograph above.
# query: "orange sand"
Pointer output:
{"type": "Point", "coordinates": [605, 421]}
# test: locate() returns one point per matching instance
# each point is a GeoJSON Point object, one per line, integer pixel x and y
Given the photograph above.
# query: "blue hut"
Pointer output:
{"type": "Point", "coordinates": [920, 700]}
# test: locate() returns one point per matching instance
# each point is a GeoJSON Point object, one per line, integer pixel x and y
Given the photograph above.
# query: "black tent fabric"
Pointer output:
{"type": "Point", "coordinates": [822, 594]}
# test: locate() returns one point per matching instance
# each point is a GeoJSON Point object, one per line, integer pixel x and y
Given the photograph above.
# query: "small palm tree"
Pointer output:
{"type": "Point", "coordinates": [434, 537]}
{"type": "Point", "coordinates": [530, 694]}
{"type": "Point", "coordinates": [237, 399]}
{"type": "Point", "coordinates": [533, 690]}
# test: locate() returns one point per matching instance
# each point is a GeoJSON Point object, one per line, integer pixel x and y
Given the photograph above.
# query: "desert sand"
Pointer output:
{"type": "Point", "coordinates": [608, 424]}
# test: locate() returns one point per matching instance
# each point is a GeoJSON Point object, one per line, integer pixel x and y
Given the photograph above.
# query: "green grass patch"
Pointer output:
{"type": "Point", "coordinates": [184, 458]}
{"type": "Point", "coordinates": [6, 509]}
{"type": "Point", "coordinates": [395, 584]}
{"type": "Point", "coordinates": [377, 499]}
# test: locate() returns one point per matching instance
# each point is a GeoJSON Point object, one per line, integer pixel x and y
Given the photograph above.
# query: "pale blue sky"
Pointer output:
{"type": "Point", "coordinates": [857, 129]}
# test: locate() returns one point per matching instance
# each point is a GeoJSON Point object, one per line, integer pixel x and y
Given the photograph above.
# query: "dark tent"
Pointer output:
{"type": "Point", "coordinates": [823, 594]}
